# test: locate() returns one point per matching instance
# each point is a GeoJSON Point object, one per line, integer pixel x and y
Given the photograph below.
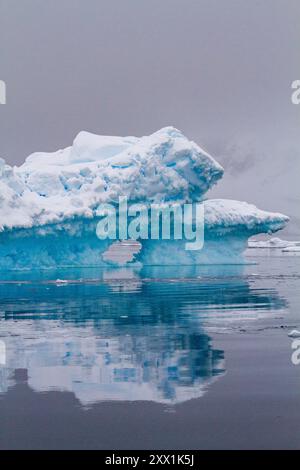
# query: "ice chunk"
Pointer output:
{"type": "Point", "coordinates": [274, 242]}
{"type": "Point", "coordinates": [291, 249]}
{"type": "Point", "coordinates": [294, 334]}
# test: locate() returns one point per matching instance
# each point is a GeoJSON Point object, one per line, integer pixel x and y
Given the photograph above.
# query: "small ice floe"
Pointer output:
{"type": "Point", "coordinates": [275, 242]}
{"type": "Point", "coordinates": [294, 334]}
{"type": "Point", "coordinates": [61, 281]}
{"type": "Point", "coordinates": [292, 249]}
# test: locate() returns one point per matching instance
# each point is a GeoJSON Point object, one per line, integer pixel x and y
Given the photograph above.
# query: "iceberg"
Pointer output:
{"type": "Point", "coordinates": [49, 205]}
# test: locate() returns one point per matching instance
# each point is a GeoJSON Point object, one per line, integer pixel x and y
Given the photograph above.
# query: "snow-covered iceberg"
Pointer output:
{"type": "Point", "coordinates": [48, 205]}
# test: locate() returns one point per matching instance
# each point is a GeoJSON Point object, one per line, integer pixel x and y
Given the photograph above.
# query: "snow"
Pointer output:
{"type": "Point", "coordinates": [226, 213]}
{"type": "Point", "coordinates": [52, 187]}
{"type": "Point", "coordinates": [48, 205]}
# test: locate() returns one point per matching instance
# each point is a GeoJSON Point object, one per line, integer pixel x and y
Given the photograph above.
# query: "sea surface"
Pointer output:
{"type": "Point", "coordinates": [152, 358]}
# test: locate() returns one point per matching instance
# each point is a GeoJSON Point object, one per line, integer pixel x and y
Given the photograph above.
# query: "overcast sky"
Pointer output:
{"type": "Point", "coordinates": [219, 70]}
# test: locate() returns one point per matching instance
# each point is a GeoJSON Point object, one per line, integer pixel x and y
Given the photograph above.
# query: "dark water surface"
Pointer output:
{"type": "Point", "coordinates": [155, 358]}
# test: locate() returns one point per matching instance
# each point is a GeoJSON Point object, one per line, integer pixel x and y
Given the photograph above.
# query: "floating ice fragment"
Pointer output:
{"type": "Point", "coordinates": [294, 334]}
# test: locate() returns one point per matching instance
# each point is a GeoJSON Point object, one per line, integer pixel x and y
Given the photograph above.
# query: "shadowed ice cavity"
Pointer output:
{"type": "Point", "coordinates": [123, 336]}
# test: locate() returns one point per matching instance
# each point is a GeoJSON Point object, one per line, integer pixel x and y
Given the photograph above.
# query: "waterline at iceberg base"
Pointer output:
{"type": "Point", "coordinates": [48, 205]}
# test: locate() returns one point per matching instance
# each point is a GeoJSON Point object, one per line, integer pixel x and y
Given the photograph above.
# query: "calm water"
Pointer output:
{"type": "Point", "coordinates": [153, 358]}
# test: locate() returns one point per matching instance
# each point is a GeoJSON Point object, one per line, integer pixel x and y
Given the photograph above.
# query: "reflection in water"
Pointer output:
{"type": "Point", "coordinates": [124, 335]}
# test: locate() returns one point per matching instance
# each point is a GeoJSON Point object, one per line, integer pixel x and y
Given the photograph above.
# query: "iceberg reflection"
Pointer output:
{"type": "Point", "coordinates": [122, 337]}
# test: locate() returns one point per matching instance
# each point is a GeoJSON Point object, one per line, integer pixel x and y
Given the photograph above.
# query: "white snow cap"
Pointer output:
{"type": "Point", "coordinates": [162, 167]}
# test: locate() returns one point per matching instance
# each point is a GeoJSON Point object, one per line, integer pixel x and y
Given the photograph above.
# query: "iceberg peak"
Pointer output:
{"type": "Point", "coordinates": [50, 187]}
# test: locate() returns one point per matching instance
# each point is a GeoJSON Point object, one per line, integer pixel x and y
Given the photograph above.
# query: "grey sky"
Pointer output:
{"type": "Point", "coordinates": [219, 70]}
